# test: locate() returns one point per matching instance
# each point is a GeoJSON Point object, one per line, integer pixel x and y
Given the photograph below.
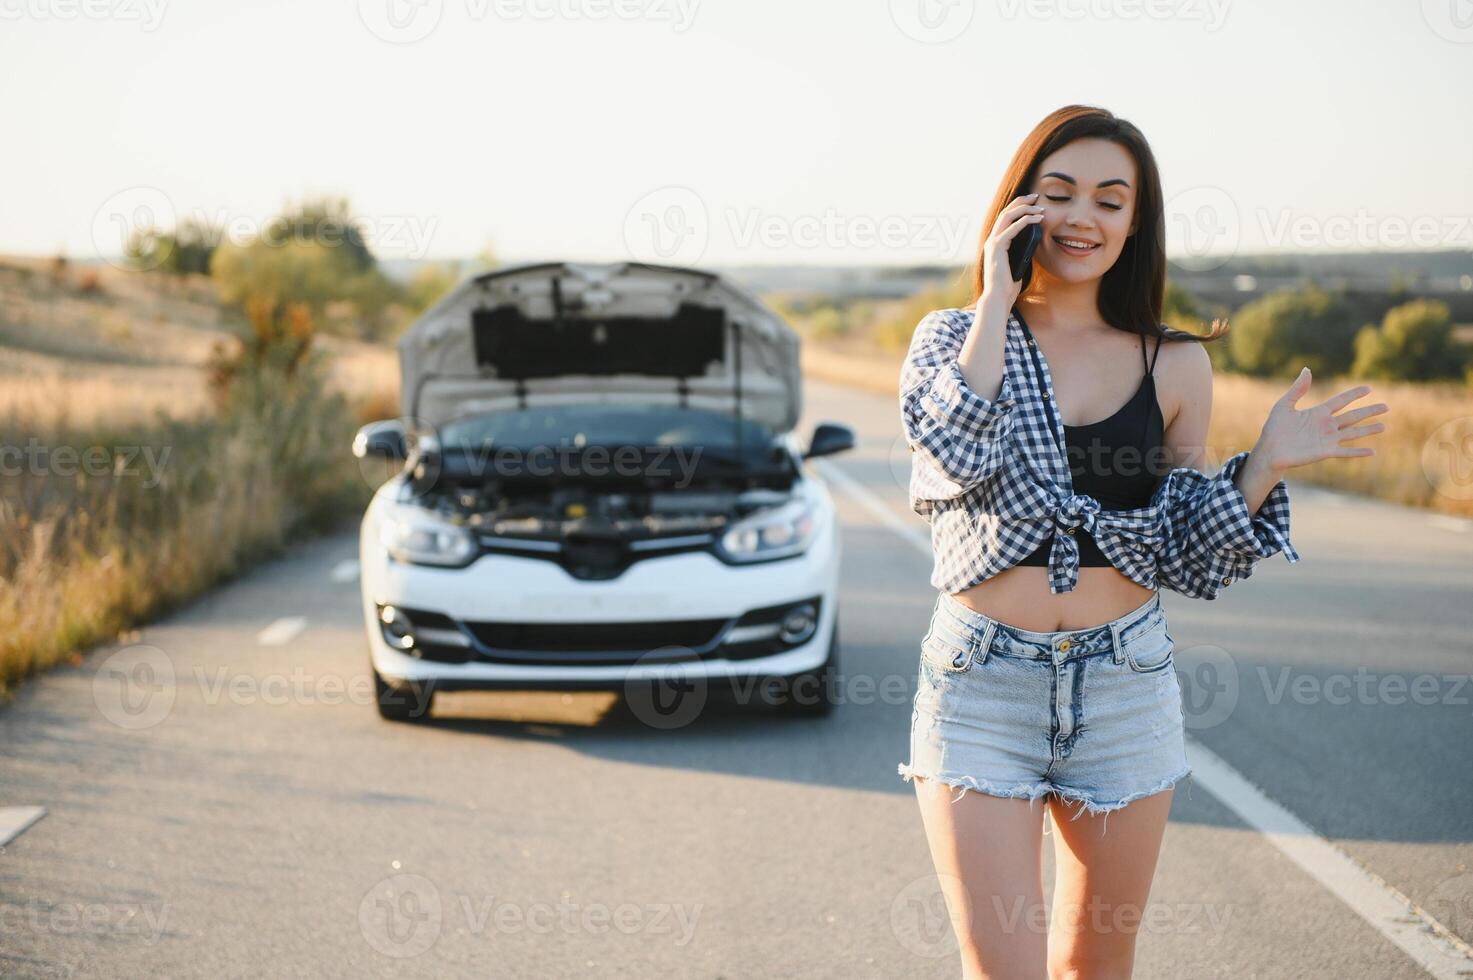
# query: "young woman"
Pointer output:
{"type": "Point", "coordinates": [1058, 431]}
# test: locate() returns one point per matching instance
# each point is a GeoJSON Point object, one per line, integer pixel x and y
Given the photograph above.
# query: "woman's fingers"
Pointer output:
{"type": "Point", "coordinates": [1336, 402]}
{"type": "Point", "coordinates": [1011, 231]}
{"type": "Point", "coordinates": [1361, 431]}
{"type": "Point", "coordinates": [1356, 414]}
{"type": "Point", "coordinates": [1019, 206]}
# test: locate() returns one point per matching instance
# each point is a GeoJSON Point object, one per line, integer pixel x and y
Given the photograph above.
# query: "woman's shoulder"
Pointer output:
{"type": "Point", "coordinates": [1181, 371]}
{"type": "Point", "coordinates": [1182, 353]}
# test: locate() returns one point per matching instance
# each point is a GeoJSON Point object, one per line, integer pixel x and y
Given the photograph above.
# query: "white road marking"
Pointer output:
{"type": "Point", "coordinates": [1450, 523]}
{"type": "Point", "coordinates": [882, 511]}
{"type": "Point", "coordinates": [345, 570]}
{"type": "Point", "coordinates": [281, 632]}
{"type": "Point", "coordinates": [15, 819]}
{"type": "Point", "coordinates": [1435, 947]}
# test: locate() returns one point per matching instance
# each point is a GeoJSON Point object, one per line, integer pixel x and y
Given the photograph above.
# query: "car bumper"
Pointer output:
{"type": "Point", "coordinates": [674, 590]}
{"type": "Point", "coordinates": [397, 667]}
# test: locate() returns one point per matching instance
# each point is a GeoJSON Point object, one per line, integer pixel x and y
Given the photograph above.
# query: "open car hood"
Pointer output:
{"type": "Point", "coordinates": [560, 333]}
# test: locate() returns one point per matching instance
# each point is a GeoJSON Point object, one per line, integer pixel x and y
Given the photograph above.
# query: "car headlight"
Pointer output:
{"type": "Point", "coordinates": [777, 533]}
{"type": "Point", "coordinates": [422, 539]}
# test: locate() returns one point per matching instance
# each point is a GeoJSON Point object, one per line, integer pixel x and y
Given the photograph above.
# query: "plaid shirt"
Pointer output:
{"type": "Point", "coordinates": [990, 478]}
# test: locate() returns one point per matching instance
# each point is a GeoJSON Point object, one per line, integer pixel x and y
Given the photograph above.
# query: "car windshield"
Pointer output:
{"type": "Point", "coordinates": [605, 425]}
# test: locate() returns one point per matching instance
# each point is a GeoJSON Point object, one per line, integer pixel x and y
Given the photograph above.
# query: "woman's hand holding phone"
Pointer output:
{"type": "Point", "coordinates": [981, 356]}
{"type": "Point", "coordinates": [1000, 290]}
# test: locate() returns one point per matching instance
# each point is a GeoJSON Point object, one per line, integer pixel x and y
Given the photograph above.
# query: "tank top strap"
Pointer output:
{"type": "Point", "coordinates": [1152, 368]}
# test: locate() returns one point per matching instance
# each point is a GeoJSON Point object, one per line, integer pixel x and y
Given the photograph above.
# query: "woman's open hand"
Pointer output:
{"type": "Point", "coordinates": [1295, 436]}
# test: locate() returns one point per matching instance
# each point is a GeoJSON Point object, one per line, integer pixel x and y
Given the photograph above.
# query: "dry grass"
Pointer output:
{"type": "Point", "coordinates": [133, 347]}
{"type": "Point", "coordinates": [106, 361]}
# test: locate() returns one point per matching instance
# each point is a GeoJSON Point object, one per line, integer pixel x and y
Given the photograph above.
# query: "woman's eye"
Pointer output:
{"type": "Point", "coordinates": [1053, 198]}
{"type": "Point", "coordinates": [1112, 207]}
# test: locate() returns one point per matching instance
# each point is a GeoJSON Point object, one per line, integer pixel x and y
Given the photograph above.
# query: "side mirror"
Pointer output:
{"type": "Point", "coordinates": [829, 438]}
{"type": "Point", "coordinates": [384, 439]}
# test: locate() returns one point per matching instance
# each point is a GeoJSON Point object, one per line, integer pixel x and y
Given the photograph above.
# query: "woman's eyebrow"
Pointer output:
{"type": "Point", "coordinates": [1104, 183]}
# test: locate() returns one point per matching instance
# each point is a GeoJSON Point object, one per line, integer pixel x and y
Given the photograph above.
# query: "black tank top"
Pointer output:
{"type": "Point", "coordinates": [1118, 480]}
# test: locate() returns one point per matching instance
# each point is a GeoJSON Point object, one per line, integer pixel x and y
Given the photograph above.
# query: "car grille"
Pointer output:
{"type": "Point", "coordinates": [598, 644]}
{"type": "Point", "coordinates": [593, 642]}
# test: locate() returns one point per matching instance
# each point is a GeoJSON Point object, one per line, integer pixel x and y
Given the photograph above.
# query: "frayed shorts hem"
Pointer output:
{"type": "Point", "coordinates": [1035, 791]}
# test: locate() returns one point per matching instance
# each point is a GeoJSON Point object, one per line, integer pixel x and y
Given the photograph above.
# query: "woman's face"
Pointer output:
{"type": "Point", "coordinates": [1087, 189]}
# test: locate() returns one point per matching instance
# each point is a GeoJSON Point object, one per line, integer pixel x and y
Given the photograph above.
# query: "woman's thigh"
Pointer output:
{"type": "Point", "coordinates": [988, 853]}
{"type": "Point", "coordinates": [1101, 884]}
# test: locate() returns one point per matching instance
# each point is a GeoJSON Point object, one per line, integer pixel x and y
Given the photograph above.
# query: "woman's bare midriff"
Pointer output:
{"type": "Point", "coordinates": [1019, 596]}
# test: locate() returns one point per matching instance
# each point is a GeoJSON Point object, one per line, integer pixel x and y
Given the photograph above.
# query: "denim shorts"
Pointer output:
{"type": "Point", "coordinates": [1092, 715]}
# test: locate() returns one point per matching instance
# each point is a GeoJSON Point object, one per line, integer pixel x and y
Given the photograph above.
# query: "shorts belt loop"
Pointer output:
{"type": "Point", "coordinates": [1115, 642]}
{"type": "Point", "coordinates": [984, 645]}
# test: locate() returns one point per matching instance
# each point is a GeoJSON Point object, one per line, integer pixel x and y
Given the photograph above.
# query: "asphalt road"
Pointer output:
{"type": "Point", "coordinates": [254, 817]}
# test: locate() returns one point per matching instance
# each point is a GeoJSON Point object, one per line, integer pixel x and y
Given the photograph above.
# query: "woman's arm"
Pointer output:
{"type": "Point", "coordinates": [956, 399]}
{"type": "Point", "coordinates": [959, 434]}
{"type": "Point", "coordinates": [1215, 529]}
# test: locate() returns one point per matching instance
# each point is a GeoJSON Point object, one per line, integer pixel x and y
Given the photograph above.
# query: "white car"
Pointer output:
{"type": "Point", "coordinates": [601, 491]}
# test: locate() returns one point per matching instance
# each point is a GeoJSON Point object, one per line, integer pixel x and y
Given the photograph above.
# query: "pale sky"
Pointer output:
{"type": "Point", "coordinates": [726, 131]}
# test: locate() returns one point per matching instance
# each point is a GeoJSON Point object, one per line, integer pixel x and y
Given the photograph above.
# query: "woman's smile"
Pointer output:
{"type": "Point", "coordinates": [1075, 246]}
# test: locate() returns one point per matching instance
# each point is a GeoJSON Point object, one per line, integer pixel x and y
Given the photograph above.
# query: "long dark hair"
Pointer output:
{"type": "Point", "coordinates": [1133, 290]}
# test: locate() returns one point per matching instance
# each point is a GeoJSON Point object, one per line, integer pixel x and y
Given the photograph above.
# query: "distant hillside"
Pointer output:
{"type": "Point", "coordinates": [90, 341]}
{"type": "Point", "coordinates": [1446, 274]}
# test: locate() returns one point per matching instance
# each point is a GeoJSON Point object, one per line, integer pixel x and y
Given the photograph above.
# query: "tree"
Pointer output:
{"type": "Point", "coordinates": [186, 250]}
{"type": "Point", "coordinates": [1277, 334]}
{"type": "Point", "coordinates": [314, 255]}
{"type": "Point", "coordinates": [1414, 343]}
{"type": "Point", "coordinates": [328, 221]}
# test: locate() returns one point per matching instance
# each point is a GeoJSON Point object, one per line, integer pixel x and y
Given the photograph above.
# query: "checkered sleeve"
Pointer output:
{"type": "Point", "coordinates": [1209, 540]}
{"type": "Point", "coordinates": [959, 438]}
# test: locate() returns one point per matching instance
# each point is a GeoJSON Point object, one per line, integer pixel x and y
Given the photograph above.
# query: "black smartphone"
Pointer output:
{"type": "Point", "coordinates": [1021, 249]}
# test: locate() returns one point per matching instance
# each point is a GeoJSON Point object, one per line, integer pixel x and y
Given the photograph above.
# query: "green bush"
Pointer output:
{"type": "Point", "coordinates": [1277, 334]}
{"type": "Point", "coordinates": [185, 250]}
{"type": "Point", "coordinates": [315, 256]}
{"type": "Point", "coordinates": [1413, 343]}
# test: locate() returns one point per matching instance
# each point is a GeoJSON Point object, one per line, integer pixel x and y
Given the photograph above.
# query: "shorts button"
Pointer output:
{"type": "Point", "coordinates": [1064, 644]}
